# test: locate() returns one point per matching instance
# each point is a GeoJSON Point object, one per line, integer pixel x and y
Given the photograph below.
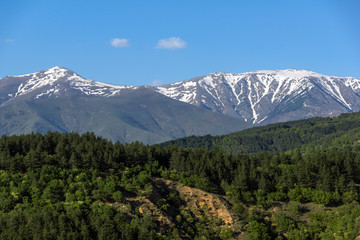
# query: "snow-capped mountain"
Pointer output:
{"type": "Point", "coordinates": [58, 99]}
{"type": "Point", "coordinates": [55, 82]}
{"type": "Point", "coordinates": [262, 97]}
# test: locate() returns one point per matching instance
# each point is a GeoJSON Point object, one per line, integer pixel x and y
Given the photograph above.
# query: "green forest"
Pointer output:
{"type": "Point", "coordinates": [337, 132]}
{"type": "Point", "coordinates": [297, 180]}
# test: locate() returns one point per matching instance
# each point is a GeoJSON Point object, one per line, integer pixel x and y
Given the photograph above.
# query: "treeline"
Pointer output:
{"type": "Point", "coordinates": [337, 132]}
{"type": "Point", "coordinates": [69, 178]}
{"type": "Point", "coordinates": [71, 150]}
{"type": "Point", "coordinates": [330, 170]}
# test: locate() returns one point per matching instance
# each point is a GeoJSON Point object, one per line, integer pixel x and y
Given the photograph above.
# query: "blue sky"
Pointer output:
{"type": "Point", "coordinates": [145, 42]}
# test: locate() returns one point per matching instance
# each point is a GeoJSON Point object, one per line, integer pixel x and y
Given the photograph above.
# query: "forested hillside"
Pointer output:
{"type": "Point", "coordinates": [71, 186]}
{"type": "Point", "coordinates": [337, 132]}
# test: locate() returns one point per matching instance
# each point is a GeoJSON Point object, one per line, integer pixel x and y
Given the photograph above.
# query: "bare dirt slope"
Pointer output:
{"type": "Point", "coordinates": [176, 206]}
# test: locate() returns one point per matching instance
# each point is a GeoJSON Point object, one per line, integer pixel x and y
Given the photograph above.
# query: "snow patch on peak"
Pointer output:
{"type": "Point", "coordinates": [89, 87]}
{"type": "Point", "coordinates": [189, 84]}
{"type": "Point", "coordinates": [48, 92]}
{"type": "Point", "coordinates": [38, 80]}
{"type": "Point", "coordinates": [50, 71]}
{"type": "Point", "coordinates": [56, 70]}
{"type": "Point", "coordinates": [208, 80]}
{"type": "Point", "coordinates": [217, 73]}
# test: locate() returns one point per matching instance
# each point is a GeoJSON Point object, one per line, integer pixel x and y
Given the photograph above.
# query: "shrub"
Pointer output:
{"type": "Point", "coordinates": [118, 197]}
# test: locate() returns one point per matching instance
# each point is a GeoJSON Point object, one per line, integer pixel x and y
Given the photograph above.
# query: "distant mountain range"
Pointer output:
{"type": "Point", "coordinates": [58, 99]}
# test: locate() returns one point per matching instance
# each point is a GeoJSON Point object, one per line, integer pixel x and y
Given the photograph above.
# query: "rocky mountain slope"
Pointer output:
{"type": "Point", "coordinates": [263, 97]}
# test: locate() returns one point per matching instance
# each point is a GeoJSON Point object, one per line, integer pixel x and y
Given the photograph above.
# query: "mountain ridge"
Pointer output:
{"type": "Point", "coordinates": [243, 99]}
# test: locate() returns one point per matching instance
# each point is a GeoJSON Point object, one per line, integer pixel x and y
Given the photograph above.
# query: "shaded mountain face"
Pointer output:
{"type": "Point", "coordinates": [60, 100]}
{"type": "Point", "coordinates": [264, 97]}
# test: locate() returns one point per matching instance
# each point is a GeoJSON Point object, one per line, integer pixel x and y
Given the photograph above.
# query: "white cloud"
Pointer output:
{"type": "Point", "coordinates": [8, 40]}
{"type": "Point", "coordinates": [119, 43]}
{"type": "Point", "coordinates": [171, 43]}
{"type": "Point", "coordinates": [156, 83]}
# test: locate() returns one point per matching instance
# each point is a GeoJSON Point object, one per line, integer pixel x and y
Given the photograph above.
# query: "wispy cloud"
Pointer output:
{"type": "Point", "coordinates": [171, 43]}
{"type": "Point", "coordinates": [8, 40]}
{"type": "Point", "coordinates": [120, 42]}
{"type": "Point", "coordinates": [156, 83]}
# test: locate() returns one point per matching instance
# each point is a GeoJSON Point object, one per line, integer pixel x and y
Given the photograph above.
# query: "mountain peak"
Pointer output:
{"type": "Point", "coordinates": [56, 69]}
{"type": "Point", "coordinates": [58, 80]}
{"type": "Point", "coordinates": [288, 73]}
{"type": "Point", "coordinates": [219, 73]}
{"type": "Point", "coordinates": [283, 74]}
